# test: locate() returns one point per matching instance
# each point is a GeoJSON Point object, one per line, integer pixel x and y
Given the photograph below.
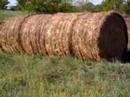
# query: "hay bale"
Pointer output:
{"type": "Point", "coordinates": [0, 36]}
{"type": "Point", "coordinates": [9, 34]}
{"type": "Point", "coordinates": [41, 34]}
{"type": "Point", "coordinates": [50, 31]}
{"type": "Point", "coordinates": [32, 34]}
{"type": "Point", "coordinates": [85, 35]}
{"type": "Point", "coordinates": [28, 34]}
{"type": "Point", "coordinates": [57, 34]}
{"type": "Point", "coordinates": [99, 35]}
{"type": "Point", "coordinates": [113, 39]}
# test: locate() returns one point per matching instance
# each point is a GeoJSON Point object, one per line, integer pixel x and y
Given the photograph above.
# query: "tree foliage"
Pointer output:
{"type": "Point", "coordinates": [47, 6]}
{"type": "Point", "coordinates": [53, 6]}
{"type": "Point", "coordinates": [87, 6]}
{"type": "Point", "coordinates": [3, 4]}
{"type": "Point", "coordinates": [122, 6]}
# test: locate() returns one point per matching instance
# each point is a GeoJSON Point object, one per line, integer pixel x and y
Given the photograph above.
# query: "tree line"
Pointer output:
{"type": "Point", "coordinates": [53, 6]}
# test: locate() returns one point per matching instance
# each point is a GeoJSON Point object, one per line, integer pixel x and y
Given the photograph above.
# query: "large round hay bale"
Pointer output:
{"type": "Point", "coordinates": [51, 32]}
{"type": "Point", "coordinates": [84, 35]}
{"type": "Point", "coordinates": [9, 33]}
{"type": "Point", "coordinates": [113, 39]}
{"type": "Point", "coordinates": [29, 30]}
{"type": "Point", "coordinates": [41, 34]}
{"type": "Point", "coordinates": [57, 33]}
{"type": "Point", "coordinates": [99, 35]}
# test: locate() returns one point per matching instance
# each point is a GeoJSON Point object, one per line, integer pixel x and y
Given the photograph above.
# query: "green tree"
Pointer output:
{"type": "Point", "coordinates": [67, 7]}
{"type": "Point", "coordinates": [47, 6]}
{"type": "Point", "coordinates": [118, 5]}
{"type": "Point", "coordinates": [128, 8]}
{"type": "Point", "coordinates": [22, 4]}
{"type": "Point", "coordinates": [111, 4]}
{"type": "Point", "coordinates": [87, 6]}
{"type": "Point", "coordinates": [3, 4]}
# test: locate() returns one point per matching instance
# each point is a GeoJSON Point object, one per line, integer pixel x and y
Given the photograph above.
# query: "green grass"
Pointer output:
{"type": "Point", "coordinates": [5, 14]}
{"type": "Point", "coordinates": [51, 76]}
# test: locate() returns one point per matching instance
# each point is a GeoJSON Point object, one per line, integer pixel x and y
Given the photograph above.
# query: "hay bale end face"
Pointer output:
{"type": "Point", "coordinates": [84, 35]}
{"type": "Point", "coordinates": [99, 35]}
{"type": "Point", "coordinates": [113, 37]}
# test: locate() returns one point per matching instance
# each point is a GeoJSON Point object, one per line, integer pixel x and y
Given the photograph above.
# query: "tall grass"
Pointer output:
{"type": "Point", "coordinates": [37, 76]}
{"type": "Point", "coordinates": [51, 76]}
{"type": "Point", "coordinates": [5, 14]}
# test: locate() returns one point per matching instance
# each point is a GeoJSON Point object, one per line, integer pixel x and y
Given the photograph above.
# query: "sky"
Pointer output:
{"type": "Point", "coordinates": [96, 1]}
{"type": "Point", "coordinates": [13, 2]}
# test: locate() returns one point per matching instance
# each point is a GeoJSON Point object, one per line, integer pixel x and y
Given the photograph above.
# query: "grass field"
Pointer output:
{"type": "Point", "coordinates": [5, 14]}
{"type": "Point", "coordinates": [51, 76]}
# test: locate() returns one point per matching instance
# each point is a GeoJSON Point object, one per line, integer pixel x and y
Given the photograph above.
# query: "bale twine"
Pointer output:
{"type": "Point", "coordinates": [84, 35]}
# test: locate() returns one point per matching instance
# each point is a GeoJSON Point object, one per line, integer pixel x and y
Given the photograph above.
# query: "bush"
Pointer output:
{"type": "Point", "coordinates": [87, 6]}
{"type": "Point", "coordinates": [66, 7]}
{"type": "Point", "coordinates": [124, 8]}
{"type": "Point", "coordinates": [46, 6]}
{"type": "Point", "coordinates": [3, 4]}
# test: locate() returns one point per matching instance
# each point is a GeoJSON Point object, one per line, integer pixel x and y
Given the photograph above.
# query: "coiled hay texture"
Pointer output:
{"type": "Point", "coordinates": [57, 34]}
{"type": "Point", "coordinates": [9, 34]}
{"type": "Point", "coordinates": [100, 35]}
{"type": "Point", "coordinates": [29, 31]}
{"type": "Point", "coordinates": [84, 35]}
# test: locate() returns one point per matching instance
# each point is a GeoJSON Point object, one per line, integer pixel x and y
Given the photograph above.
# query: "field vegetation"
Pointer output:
{"type": "Point", "coordinates": [5, 14]}
{"type": "Point", "coordinates": [52, 76]}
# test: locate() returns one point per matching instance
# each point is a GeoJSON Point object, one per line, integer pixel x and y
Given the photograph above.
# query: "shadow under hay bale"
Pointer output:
{"type": "Point", "coordinates": [84, 35]}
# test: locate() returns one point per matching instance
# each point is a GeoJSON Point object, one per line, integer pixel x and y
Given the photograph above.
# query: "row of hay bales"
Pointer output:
{"type": "Point", "coordinates": [84, 35]}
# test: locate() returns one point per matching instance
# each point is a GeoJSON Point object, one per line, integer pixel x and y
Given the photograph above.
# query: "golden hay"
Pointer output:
{"type": "Point", "coordinates": [84, 35]}
{"type": "Point", "coordinates": [99, 35]}
{"type": "Point", "coordinates": [57, 33]}
{"type": "Point", "coordinates": [9, 33]}
{"type": "Point", "coordinates": [28, 34]}
{"type": "Point", "coordinates": [41, 34]}
{"type": "Point", "coordinates": [11, 36]}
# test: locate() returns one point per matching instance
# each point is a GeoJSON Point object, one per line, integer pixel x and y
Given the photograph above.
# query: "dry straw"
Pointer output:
{"type": "Point", "coordinates": [100, 35]}
{"type": "Point", "coordinates": [9, 34]}
{"type": "Point", "coordinates": [85, 35]}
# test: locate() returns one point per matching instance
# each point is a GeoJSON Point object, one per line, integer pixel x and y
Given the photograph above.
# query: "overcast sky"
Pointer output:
{"type": "Point", "coordinates": [13, 2]}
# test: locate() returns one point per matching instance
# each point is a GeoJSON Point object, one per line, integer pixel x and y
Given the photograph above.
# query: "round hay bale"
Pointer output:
{"type": "Point", "coordinates": [113, 39]}
{"type": "Point", "coordinates": [41, 34]}
{"type": "Point", "coordinates": [50, 33]}
{"type": "Point", "coordinates": [9, 34]}
{"type": "Point", "coordinates": [84, 35]}
{"type": "Point", "coordinates": [3, 33]}
{"type": "Point", "coordinates": [99, 35]}
{"type": "Point", "coordinates": [57, 34]}
{"type": "Point", "coordinates": [28, 33]}
{"type": "Point", "coordinates": [63, 34]}
{"type": "Point", "coordinates": [9, 37]}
